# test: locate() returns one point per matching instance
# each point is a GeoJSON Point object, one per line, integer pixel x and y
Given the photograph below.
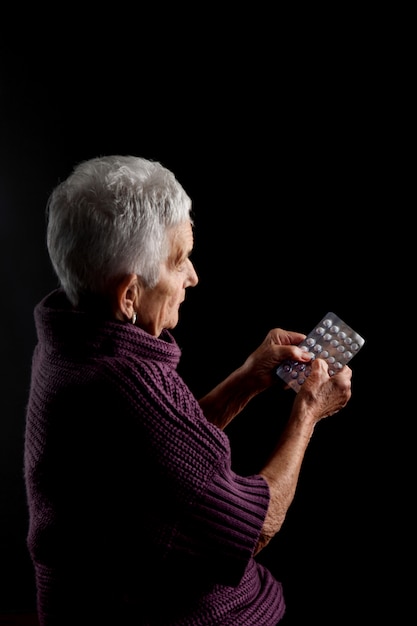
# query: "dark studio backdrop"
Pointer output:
{"type": "Point", "coordinates": [287, 165]}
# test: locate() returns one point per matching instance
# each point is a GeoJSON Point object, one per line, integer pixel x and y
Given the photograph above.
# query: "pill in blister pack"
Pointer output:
{"type": "Point", "coordinates": [333, 340]}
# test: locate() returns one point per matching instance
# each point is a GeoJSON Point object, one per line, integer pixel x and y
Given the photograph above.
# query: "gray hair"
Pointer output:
{"type": "Point", "coordinates": [109, 218]}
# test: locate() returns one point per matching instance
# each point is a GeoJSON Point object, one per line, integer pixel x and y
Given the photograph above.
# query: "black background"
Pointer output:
{"type": "Point", "coordinates": [293, 153]}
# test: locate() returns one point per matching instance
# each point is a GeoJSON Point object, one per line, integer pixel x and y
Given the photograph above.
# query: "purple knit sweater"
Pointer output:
{"type": "Point", "coordinates": [135, 515]}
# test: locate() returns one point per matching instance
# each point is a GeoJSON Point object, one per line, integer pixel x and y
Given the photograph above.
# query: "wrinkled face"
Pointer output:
{"type": "Point", "coordinates": [158, 307]}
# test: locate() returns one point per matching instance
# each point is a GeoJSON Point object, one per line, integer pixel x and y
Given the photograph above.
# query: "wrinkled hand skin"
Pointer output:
{"type": "Point", "coordinates": [278, 346]}
{"type": "Point", "coordinates": [324, 394]}
{"type": "Point", "coordinates": [320, 395]}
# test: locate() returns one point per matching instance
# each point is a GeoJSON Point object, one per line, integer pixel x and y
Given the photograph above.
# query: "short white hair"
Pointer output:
{"type": "Point", "coordinates": [111, 217]}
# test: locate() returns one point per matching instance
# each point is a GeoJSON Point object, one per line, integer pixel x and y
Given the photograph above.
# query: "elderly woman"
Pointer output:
{"type": "Point", "coordinates": [136, 516]}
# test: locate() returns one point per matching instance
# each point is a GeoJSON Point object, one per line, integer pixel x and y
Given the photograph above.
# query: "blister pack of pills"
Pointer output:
{"type": "Point", "coordinates": [331, 339]}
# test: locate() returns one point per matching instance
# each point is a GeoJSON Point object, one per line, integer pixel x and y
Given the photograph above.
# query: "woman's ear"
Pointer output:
{"type": "Point", "coordinates": [127, 297]}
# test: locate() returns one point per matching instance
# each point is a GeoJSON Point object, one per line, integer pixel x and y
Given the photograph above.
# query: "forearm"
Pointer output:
{"type": "Point", "coordinates": [229, 397]}
{"type": "Point", "coordinates": [282, 473]}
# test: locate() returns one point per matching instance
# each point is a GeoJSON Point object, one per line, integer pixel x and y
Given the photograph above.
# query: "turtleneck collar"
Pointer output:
{"type": "Point", "coordinates": [68, 330]}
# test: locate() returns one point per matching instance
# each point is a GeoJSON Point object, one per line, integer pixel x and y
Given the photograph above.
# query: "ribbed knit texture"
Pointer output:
{"type": "Point", "coordinates": [134, 508]}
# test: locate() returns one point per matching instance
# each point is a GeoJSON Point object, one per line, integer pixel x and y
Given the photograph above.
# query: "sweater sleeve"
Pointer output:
{"type": "Point", "coordinates": [222, 527]}
{"type": "Point", "coordinates": [199, 511]}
